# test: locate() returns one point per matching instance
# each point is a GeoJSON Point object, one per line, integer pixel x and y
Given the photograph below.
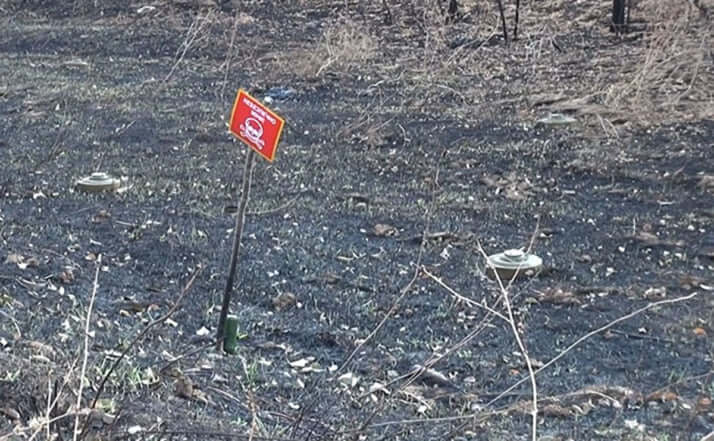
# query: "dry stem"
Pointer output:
{"type": "Point", "coordinates": [405, 290]}
{"type": "Point", "coordinates": [519, 340]}
{"type": "Point", "coordinates": [590, 334]}
{"type": "Point", "coordinates": [141, 335]}
{"type": "Point", "coordinates": [462, 298]}
{"type": "Point", "coordinates": [191, 38]}
{"type": "Point", "coordinates": [85, 353]}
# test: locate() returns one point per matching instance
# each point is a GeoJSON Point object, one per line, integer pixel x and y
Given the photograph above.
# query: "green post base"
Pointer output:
{"type": "Point", "coordinates": [230, 337]}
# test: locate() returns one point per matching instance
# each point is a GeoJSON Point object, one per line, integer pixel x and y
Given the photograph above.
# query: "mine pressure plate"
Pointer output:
{"type": "Point", "coordinates": [98, 181]}
{"type": "Point", "coordinates": [510, 262]}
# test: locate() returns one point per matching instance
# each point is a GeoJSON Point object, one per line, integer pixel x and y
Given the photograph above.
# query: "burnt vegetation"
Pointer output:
{"type": "Point", "coordinates": [421, 136]}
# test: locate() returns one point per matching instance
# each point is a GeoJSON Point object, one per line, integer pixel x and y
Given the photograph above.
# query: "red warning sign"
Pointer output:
{"type": "Point", "coordinates": [256, 125]}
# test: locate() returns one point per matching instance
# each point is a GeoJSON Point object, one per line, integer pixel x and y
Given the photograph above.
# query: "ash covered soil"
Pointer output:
{"type": "Point", "coordinates": [409, 146]}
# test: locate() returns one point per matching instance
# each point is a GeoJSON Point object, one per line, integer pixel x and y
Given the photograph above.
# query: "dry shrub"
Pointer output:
{"type": "Point", "coordinates": [659, 72]}
{"type": "Point", "coordinates": [437, 58]}
{"type": "Point", "coordinates": [669, 76]}
{"type": "Point", "coordinates": [345, 45]}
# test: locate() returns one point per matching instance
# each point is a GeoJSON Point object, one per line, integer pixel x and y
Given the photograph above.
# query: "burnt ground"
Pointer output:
{"type": "Point", "coordinates": [427, 130]}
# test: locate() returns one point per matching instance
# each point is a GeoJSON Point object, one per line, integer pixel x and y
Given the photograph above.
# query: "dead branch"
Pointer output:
{"type": "Point", "coordinates": [517, 337]}
{"type": "Point", "coordinates": [503, 20]}
{"type": "Point", "coordinates": [143, 333]}
{"type": "Point", "coordinates": [592, 333]}
{"type": "Point", "coordinates": [85, 352]}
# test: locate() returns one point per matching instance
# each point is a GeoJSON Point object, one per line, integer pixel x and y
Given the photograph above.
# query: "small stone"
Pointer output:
{"type": "Point", "coordinates": [385, 230]}
{"type": "Point", "coordinates": [10, 413]}
{"type": "Point", "coordinates": [183, 387]}
{"type": "Point", "coordinates": [284, 300]}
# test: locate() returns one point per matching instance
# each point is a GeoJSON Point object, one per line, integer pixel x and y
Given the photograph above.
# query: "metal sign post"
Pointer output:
{"type": "Point", "coordinates": [237, 235]}
{"type": "Point", "coordinates": [259, 128]}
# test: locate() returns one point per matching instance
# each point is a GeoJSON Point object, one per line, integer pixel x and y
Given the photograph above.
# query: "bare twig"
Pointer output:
{"type": "Point", "coordinates": [280, 207]}
{"type": "Point", "coordinates": [198, 434]}
{"type": "Point", "coordinates": [50, 417]}
{"type": "Point", "coordinates": [580, 340]}
{"type": "Point", "coordinates": [55, 150]}
{"type": "Point", "coordinates": [445, 419]}
{"type": "Point", "coordinates": [404, 291]}
{"type": "Point", "coordinates": [407, 288]}
{"type": "Point", "coordinates": [417, 269]}
{"type": "Point", "coordinates": [143, 333]}
{"type": "Point", "coordinates": [681, 381]}
{"type": "Point", "coordinates": [255, 420]}
{"type": "Point", "coordinates": [85, 353]}
{"type": "Point", "coordinates": [392, 310]}
{"type": "Point", "coordinates": [388, 20]}
{"type": "Point", "coordinates": [18, 336]}
{"type": "Point", "coordinates": [48, 411]}
{"type": "Point", "coordinates": [484, 415]}
{"type": "Point", "coordinates": [231, 397]}
{"type": "Point", "coordinates": [503, 20]}
{"type": "Point", "coordinates": [519, 340]}
{"type": "Point", "coordinates": [53, 420]}
{"type": "Point", "coordinates": [192, 34]}
{"type": "Point", "coordinates": [229, 53]}
{"type": "Point", "coordinates": [184, 355]}
{"type": "Point", "coordinates": [462, 298]}
{"type": "Point", "coordinates": [435, 358]}
{"type": "Point", "coordinates": [412, 375]}
{"type": "Point", "coordinates": [515, 26]}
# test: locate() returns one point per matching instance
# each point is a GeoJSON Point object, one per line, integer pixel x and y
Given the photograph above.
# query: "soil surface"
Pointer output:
{"type": "Point", "coordinates": [411, 147]}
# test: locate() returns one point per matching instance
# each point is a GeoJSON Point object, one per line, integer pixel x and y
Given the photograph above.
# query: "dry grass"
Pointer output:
{"type": "Point", "coordinates": [661, 72]}
{"type": "Point", "coordinates": [670, 74]}
{"type": "Point", "coordinates": [344, 46]}
{"type": "Point", "coordinates": [565, 60]}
